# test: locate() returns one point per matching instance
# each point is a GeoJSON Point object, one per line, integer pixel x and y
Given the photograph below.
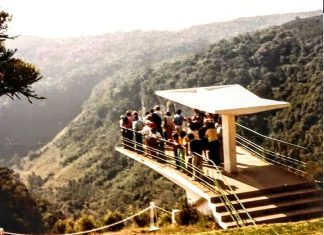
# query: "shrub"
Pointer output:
{"type": "Point", "coordinates": [164, 219]}
{"type": "Point", "coordinates": [64, 226]}
{"type": "Point", "coordinates": [85, 222]}
{"type": "Point", "coordinates": [187, 215]}
{"type": "Point", "coordinates": [113, 217]}
{"type": "Point", "coordinates": [142, 220]}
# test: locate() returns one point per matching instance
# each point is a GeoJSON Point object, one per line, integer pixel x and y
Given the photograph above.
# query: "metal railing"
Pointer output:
{"type": "Point", "coordinates": [270, 156]}
{"type": "Point", "coordinates": [159, 154]}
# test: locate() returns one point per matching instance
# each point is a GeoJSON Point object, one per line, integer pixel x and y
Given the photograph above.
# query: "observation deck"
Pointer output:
{"type": "Point", "coordinates": [254, 185]}
{"type": "Point", "coordinates": [259, 192]}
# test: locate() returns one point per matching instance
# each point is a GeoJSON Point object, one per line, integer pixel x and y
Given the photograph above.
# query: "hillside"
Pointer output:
{"type": "Point", "coordinates": [20, 211]}
{"type": "Point", "coordinates": [72, 67]}
{"type": "Point", "coordinates": [283, 63]}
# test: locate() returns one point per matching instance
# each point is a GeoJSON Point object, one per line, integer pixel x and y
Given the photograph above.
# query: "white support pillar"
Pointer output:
{"type": "Point", "coordinates": [229, 143]}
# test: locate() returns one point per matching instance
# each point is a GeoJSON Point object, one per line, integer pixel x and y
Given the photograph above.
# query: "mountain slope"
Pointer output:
{"type": "Point", "coordinates": [283, 63]}
{"type": "Point", "coordinates": [20, 211]}
{"type": "Point", "coordinates": [72, 67]}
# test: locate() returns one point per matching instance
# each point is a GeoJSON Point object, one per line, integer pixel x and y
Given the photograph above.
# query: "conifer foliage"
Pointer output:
{"type": "Point", "coordinates": [16, 75]}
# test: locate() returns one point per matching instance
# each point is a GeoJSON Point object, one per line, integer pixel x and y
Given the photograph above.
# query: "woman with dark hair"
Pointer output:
{"type": "Point", "coordinates": [127, 125]}
{"type": "Point", "coordinates": [168, 125]}
{"type": "Point", "coordinates": [213, 144]}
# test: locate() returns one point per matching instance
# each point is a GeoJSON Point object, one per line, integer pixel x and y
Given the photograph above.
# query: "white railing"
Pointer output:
{"type": "Point", "coordinates": [272, 157]}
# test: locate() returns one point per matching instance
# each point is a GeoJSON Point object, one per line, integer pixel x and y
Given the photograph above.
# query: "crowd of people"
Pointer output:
{"type": "Point", "coordinates": [191, 138]}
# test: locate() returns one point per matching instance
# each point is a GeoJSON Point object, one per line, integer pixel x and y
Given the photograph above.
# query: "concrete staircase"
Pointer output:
{"type": "Point", "coordinates": [279, 204]}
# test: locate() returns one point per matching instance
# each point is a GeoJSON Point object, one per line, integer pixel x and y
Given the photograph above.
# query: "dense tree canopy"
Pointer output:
{"type": "Point", "coordinates": [16, 76]}
{"type": "Point", "coordinates": [19, 211]}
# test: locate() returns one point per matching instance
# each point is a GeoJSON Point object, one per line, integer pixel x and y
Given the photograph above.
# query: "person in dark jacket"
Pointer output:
{"type": "Point", "coordinates": [196, 149]}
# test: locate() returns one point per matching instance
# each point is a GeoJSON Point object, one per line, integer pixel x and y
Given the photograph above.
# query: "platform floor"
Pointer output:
{"type": "Point", "coordinates": [253, 173]}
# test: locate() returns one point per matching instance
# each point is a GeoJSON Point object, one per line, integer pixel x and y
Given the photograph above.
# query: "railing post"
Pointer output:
{"type": "Point", "coordinates": [173, 215]}
{"type": "Point", "coordinates": [152, 224]}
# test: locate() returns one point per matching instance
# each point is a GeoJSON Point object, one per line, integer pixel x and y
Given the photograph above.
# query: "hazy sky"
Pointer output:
{"type": "Point", "coordinates": [64, 18]}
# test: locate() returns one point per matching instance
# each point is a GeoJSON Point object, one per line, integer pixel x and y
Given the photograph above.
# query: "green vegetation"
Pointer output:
{"type": "Point", "coordinates": [16, 75]}
{"type": "Point", "coordinates": [283, 63]}
{"type": "Point", "coordinates": [85, 222]}
{"type": "Point", "coordinates": [111, 218]}
{"type": "Point", "coordinates": [20, 212]}
{"type": "Point", "coordinates": [187, 215]}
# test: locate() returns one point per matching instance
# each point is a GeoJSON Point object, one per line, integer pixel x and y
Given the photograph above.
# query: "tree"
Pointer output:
{"type": "Point", "coordinates": [16, 75]}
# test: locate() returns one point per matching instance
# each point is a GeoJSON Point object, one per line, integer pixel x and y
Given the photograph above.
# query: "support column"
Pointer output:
{"type": "Point", "coordinates": [229, 143]}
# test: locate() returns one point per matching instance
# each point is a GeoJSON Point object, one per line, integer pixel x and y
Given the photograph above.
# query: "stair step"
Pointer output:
{"type": "Point", "coordinates": [300, 214]}
{"type": "Point", "coordinates": [272, 198]}
{"type": "Point", "coordinates": [282, 207]}
{"type": "Point", "coordinates": [274, 190]}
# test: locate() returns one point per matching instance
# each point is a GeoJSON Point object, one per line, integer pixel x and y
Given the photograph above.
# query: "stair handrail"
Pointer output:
{"type": "Point", "coordinates": [231, 191]}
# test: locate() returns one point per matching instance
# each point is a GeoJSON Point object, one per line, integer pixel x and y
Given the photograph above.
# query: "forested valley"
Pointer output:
{"type": "Point", "coordinates": [71, 67]}
{"type": "Point", "coordinates": [79, 172]}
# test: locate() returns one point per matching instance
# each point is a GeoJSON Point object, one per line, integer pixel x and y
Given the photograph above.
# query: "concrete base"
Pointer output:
{"type": "Point", "coordinates": [196, 195]}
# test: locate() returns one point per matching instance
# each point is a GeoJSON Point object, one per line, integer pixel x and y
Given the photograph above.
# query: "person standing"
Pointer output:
{"type": "Point", "coordinates": [157, 120]}
{"type": "Point", "coordinates": [152, 143]}
{"type": "Point", "coordinates": [198, 118]}
{"type": "Point", "coordinates": [129, 132]}
{"type": "Point", "coordinates": [157, 110]}
{"type": "Point", "coordinates": [123, 122]}
{"type": "Point", "coordinates": [196, 148]}
{"type": "Point", "coordinates": [168, 126]}
{"type": "Point", "coordinates": [178, 121]}
{"type": "Point", "coordinates": [182, 150]}
{"type": "Point", "coordinates": [219, 129]}
{"type": "Point", "coordinates": [213, 144]}
{"type": "Point", "coordinates": [176, 145]}
{"type": "Point", "coordinates": [138, 127]}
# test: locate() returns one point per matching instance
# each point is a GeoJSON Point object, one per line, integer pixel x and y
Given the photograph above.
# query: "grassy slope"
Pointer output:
{"type": "Point", "coordinates": [312, 227]}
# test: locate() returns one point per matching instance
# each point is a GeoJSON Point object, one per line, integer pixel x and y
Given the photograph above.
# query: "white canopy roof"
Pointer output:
{"type": "Point", "coordinates": [229, 99]}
